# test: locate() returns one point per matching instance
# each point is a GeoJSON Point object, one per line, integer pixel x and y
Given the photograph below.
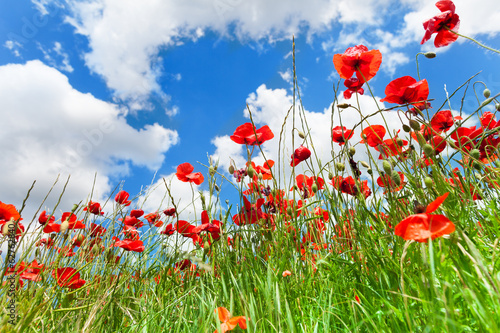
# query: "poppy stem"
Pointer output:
{"type": "Point", "coordinates": [475, 41]}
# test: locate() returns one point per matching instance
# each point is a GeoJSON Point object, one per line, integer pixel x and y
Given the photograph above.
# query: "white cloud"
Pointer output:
{"type": "Point", "coordinates": [50, 129]}
{"type": "Point", "coordinates": [56, 57]}
{"type": "Point", "coordinates": [14, 47]}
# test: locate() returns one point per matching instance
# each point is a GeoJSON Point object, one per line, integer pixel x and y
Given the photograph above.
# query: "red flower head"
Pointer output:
{"type": "Point", "coordinates": [43, 219]}
{"type": "Point", "coordinates": [443, 120]}
{"type": "Point", "coordinates": [184, 173]}
{"type": "Point", "coordinates": [129, 244]}
{"type": "Point", "coordinates": [250, 213]}
{"type": "Point", "coordinates": [405, 90]}
{"type": "Point", "coordinates": [247, 134]}
{"type": "Point", "coordinates": [122, 198]}
{"type": "Point", "coordinates": [169, 212]}
{"type": "Point", "coordinates": [348, 185]}
{"type": "Point", "coordinates": [341, 134]}
{"type": "Point", "coordinates": [169, 230]}
{"type": "Point", "coordinates": [388, 182]}
{"type": "Point", "coordinates": [373, 135]}
{"type": "Point", "coordinates": [264, 170]}
{"type": "Point", "coordinates": [8, 212]}
{"type": "Point", "coordinates": [68, 277]}
{"type": "Point", "coordinates": [421, 227]}
{"type": "Point", "coordinates": [94, 208]}
{"type": "Point", "coordinates": [359, 60]}
{"type": "Point", "coordinates": [305, 184]}
{"type": "Point", "coordinates": [136, 213]}
{"type": "Point", "coordinates": [154, 218]}
{"type": "Point", "coordinates": [353, 85]}
{"type": "Point", "coordinates": [229, 323]}
{"type": "Point", "coordinates": [300, 154]}
{"type": "Point", "coordinates": [488, 121]}
{"type": "Point", "coordinates": [441, 23]}
{"type": "Point", "coordinates": [96, 230]}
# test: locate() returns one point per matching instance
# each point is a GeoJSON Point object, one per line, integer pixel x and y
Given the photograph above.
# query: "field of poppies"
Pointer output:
{"type": "Point", "coordinates": [404, 241]}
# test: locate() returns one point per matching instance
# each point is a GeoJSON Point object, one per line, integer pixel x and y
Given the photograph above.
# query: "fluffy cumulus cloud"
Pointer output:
{"type": "Point", "coordinates": [54, 129]}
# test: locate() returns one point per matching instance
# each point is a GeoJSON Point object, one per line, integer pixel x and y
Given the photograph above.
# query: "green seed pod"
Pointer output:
{"type": "Point", "coordinates": [406, 128]}
{"type": "Point", "coordinates": [250, 172]}
{"type": "Point", "coordinates": [396, 178]}
{"type": "Point", "coordinates": [261, 176]}
{"type": "Point", "coordinates": [387, 167]}
{"type": "Point", "coordinates": [476, 165]}
{"type": "Point", "coordinates": [421, 139]}
{"type": "Point", "coordinates": [289, 211]}
{"type": "Point", "coordinates": [216, 187]}
{"type": "Point", "coordinates": [330, 175]}
{"type": "Point", "coordinates": [366, 165]}
{"type": "Point", "coordinates": [95, 250]}
{"type": "Point", "coordinates": [475, 153]}
{"type": "Point", "coordinates": [486, 102]}
{"type": "Point", "coordinates": [497, 106]}
{"type": "Point", "coordinates": [428, 150]}
{"type": "Point", "coordinates": [370, 171]}
{"type": "Point", "coordinates": [400, 142]}
{"type": "Point", "coordinates": [339, 166]}
{"type": "Point", "coordinates": [486, 93]}
{"type": "Point", "coordinates": [352, 151]}
{"type": "Point", "coordinates": [314, 188]}
{"type": "Point", "coordinates": [301, 135]}
{"type": "Point", "coordinates": [211, 171]}
{"type": "Point", "coordinates": [414, 125]}
{"type": "Point", "coordinates": [428, 182]}
{"type": "Point", "coordinates": [231, 169]}
{"type": "Point", "coordinates": [343, 106]}
{"type": "Point", "coordinates": [430, 55]}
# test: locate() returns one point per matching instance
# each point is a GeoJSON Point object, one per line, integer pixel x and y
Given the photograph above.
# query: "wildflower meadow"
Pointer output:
{"type": "Point", "coordinates": [404, 240]}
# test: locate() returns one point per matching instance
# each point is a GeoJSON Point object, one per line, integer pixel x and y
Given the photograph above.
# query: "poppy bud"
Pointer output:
{"type": "Point", "coordinates": [206, 245]}
{"type": "Point", "coordinates": [420, 139]}
{"type": "Point", "coordinates": [250, 172]}
{"type": "Point", "coordinates": [475, 153]}
{"type": "Point", "coordinates": [339, 166]}
{"type": "Point", "coordinates": [428, 150]}
{"type": "Point", "coordinates": [64, 226]}
{"type": "Point", "coordinates": [314, 188]}
{"type": "Point", "coordinates": [301, 135]}
{"type": "Point", "coordinates": [352, 151]}
{"type": "Point", "coordinates": [370, 171]}
{"type": "Point", "coordinates": [231, 169]}
{"type": "Point", "coordinates": [497, 106]}
{"type": "Point", "coordinates": [486, 93]}
{"type": "Point", "coordinates": [366, 165]}
{"type": "Point", "coordinates": [486, 102]}
{"type": "Point", "coordinates": [428, 182]}
{"type": "Point", "coordinates": [37, 253]}
{"type": "Point", "coordinates": [414, 125]}
{"type": "Point", "coordinates": [211, 171]}
{"type": "Point", "coordinates": [430, 55]}
{"type": "Point", "coordinates": [216, 187]}
{"type": "Point", "coordinates": [330, 175]}
{"type": "Point", "coordinates": [75, 207]}
{"type": "Point", "coordinates": [387, 167]}
{"type": "Point", "coordinates": [476, 166]}
{"type": "Point", "coordinates": [95, 250]}
{"type": "Point", "coordinates": [406, 128]}
{"type": "Point", "coordinates": [289, 211]}
{"type": "Point", "coordinates": [261, 176]}
{"type": "Point", "coordinates": [400, 142]}
{"type": "Point", "coordinates": [343, 106]}
{"type": "Point", "coordinates": [80, 238]}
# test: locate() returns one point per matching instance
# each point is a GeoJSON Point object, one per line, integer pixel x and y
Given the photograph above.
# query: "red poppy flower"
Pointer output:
{"type": "Point", "coordinates": [122, 198]}
{"type": "Point", "coordinates": [405, 90]}
{"type": "Point", "coordinates": [43, 218]}
{"type": "Point", "coordinates": [213, 227]}
{"type": "Point", "coordinates": [348, 185]}
{"type": "Point", "coordinates": [169, 230]}
{"type": "Point", "coordinates": [247, 134]}
{"type": "Point", "coordinates": [32, 271]}
{"type": "Point", "coordinates": [391, 147]}
{"type": "Point", "coordinates": [305, 184]}
{"type": "Point", "coordinates": [359, 60]}
{"type": "Point", "coordinates": [130, 232]}
{"type": "Point", "coordinates": [169, 212]}
{"type": "Point", "coordinates": [136, 213]}
{"type": "Point", "coordinates": [44, 241]}
{"type": "Point", "coordinates": [94, 208]}
{"type": "Point", "coordinates": [341, 134]}
{"type": "Point", "coordinates": [184, 174]}
{"type": "Point", "coordinates": [465, 136]}
{"type": "Point", "coordinates": [373, 135]}
{"type": "Point", "coordinates": [300, 154]}
{"type": "Point", "coordinates": [129, 245]}
{"type": "Point", "coordinates": [250, 213]}
{"type": "Point", "coordinates": [286, 273]}
{"type": "Point", "coordinates": [154, 218]}
{"type": "Point", "coordinates": [441, 23]}
{"type": "Point", "coordinates": [488, 121]}
{"type": "Point", "coordinates": [442, 121]}
{"type": "Point", "coordinates": [96, 230]}
{"type": "Point", "coordinates": [66, 251]}
{"type": "Point", "coordinates": [68, 277]}
{"type": "Point", "coordinates": [229, 323]}
{"type": "Point", "coordinates": [421, 227]}
{"type": "Point", "coordinates": [8, 212]}
{"type": "Point", "coordinates": [353, 85]}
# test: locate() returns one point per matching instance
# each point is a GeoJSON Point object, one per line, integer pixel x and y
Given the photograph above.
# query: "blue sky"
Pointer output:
{"type": "Point", "coordinates": [130, 89]}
